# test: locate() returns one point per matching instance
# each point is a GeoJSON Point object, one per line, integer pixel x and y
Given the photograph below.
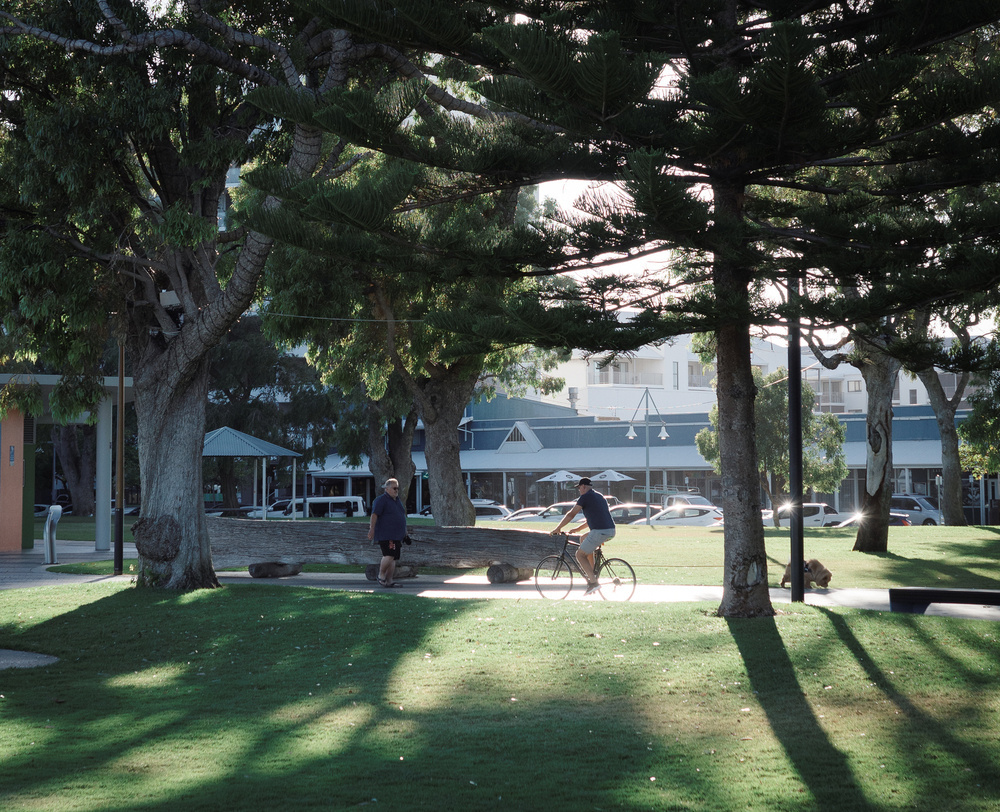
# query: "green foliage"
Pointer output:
{"type": "Point", "coordinates": [23, 398]}
{"type": "Point", "coordinates": [980, 431]}
{"type": "Point", "coordinates": [823, 463]}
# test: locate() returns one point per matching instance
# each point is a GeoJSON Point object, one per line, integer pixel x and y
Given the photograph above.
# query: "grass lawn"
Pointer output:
{"type": "Point", "coordinates": [918, 556]}
{"type": "Point", "coordinates": [265, 697]}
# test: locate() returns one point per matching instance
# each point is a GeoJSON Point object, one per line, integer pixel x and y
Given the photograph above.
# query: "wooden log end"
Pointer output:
{"type": "Point", "coordinates": [508, 574]}
{"type": "Point", "coordinates": [274, 569]}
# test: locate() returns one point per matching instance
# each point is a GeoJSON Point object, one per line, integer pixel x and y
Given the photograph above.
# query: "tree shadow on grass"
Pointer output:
{"type": "Point", "coordinates": [259, 696]}
{"type": "Point", "coordinates": [819, 764]}
{"type": "Point", "coordinates": [920, 728]}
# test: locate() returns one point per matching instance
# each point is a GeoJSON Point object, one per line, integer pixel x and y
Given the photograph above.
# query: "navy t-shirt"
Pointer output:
{"type": "Point", "coordinates": [595, 511]}
{"type": "Point", "coordinates": [391, 522]}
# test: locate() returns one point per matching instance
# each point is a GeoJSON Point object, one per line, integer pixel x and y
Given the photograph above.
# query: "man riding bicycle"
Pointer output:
{"type": "Point", "coordinates": [597, 517]}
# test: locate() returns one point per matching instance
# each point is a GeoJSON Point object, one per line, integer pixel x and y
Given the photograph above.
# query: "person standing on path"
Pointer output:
{"type": "Point", "coordinates": [388, 528]}
{"type": "Point", "coordinates": [596, 516]}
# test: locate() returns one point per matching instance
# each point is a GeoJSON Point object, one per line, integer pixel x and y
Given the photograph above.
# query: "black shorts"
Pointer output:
{"type": "Point", "coordinates": [391, 548]}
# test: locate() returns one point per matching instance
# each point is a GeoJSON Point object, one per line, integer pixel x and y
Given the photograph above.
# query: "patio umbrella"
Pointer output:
{"type": "Point", "coordinates": [561, 476]}
{"type": "Point", "coordinates": [610, 476]}
{"type": "Point", "coordinates": [557, 477]}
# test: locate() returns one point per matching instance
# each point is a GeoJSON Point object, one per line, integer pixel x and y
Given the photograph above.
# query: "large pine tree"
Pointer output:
{"type": "Point", "coordinates": [717, 121]}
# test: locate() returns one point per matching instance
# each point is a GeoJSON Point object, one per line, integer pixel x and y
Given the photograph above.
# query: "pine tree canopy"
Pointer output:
{"type": "Point", "coordinates": [759, 136]}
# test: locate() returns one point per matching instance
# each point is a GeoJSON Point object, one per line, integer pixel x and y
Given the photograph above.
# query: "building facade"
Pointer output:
{"type": "Point", "coordinates": [639, 417]}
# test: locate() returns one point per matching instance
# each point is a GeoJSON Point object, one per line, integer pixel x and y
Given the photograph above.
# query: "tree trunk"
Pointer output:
{"type": "Point", "coordinates": [745, 590]}
{"type": "Point", "coordinates": [952, 512]}
{"type": "Point", "coordinates": [378, 457]}
{"type": "Point", "coordinates": [76, 448]}
{"type": "Point", "coordinates": [390, 446]}
{"type": "Point", "coordinates": [399, 439]}
{"type": "Point", "coordinates": [171, 537]}
{"type": "Point", "coordinates": [880, 373]}
{"type": "Point", "coordinates": [227, 480]}
{"type": "Point", "coordinates": [442, 405]}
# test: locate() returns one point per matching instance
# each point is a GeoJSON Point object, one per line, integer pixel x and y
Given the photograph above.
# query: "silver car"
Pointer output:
{"type": "Point", "coordinates": [918, 508]}
{"type": "Point", "coordinates": [686, 515]}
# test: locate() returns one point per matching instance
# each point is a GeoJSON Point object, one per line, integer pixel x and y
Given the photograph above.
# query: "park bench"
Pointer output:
{"type": "Point", "coordinates": [916, 599]}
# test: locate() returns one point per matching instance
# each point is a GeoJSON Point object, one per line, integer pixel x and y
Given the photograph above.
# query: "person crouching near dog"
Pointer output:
{"type": "Point", "coordinates": [388, 528]}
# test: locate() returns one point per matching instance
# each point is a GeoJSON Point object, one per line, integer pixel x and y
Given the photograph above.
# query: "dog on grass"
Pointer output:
{"type": "Point", "coordinates": [813, 572]}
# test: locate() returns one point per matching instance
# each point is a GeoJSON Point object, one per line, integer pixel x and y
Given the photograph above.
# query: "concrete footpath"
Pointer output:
{"type": "Point", "coordinates": [27, 569]}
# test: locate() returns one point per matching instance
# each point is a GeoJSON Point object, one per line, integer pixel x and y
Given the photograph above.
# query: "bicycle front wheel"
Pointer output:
{"type": "Point", "coordinates": [617, 579]}
{"type": "Point", "coordinates": [553, 578]}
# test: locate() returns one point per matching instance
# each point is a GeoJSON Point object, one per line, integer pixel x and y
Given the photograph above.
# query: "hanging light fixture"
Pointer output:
{"type": "Point", "coordinates": [645, 401]}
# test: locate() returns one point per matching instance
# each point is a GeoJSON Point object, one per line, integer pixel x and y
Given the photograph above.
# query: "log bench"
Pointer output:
{"type": "Point", "coordinates": [916, 599]}
{"type": "Point", "coordinates": [508, 553]}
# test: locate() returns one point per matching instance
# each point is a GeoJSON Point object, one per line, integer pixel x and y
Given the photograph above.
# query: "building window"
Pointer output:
{"type": "Point", "coordinates": [700, 376]}
{"type": "Point", "coordinates": [913, 397]}
{"type": "Point", "coordinates": [610, 374]}
{"type": "Point", "coordinates": [854, 386]}
{"type": "Point", "coordinates": [677, 374]}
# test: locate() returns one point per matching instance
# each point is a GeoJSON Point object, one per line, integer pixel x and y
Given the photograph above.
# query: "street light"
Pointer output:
{"type": "Point", "coordinates": [646, 398]}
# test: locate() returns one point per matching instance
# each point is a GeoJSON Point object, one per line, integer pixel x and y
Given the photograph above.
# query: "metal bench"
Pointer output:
{"type": "Point", "coordinates": [916, 599]}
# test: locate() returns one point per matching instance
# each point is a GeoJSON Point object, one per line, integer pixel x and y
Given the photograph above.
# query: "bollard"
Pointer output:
{"type": "Point", "coordinates": [51, 520]}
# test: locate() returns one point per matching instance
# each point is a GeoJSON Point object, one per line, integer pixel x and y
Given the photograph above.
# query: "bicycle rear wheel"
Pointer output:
{"type": "Point", "coordinates": [553, 578]}
{"type": "Point", "coordinates": [617, 579]}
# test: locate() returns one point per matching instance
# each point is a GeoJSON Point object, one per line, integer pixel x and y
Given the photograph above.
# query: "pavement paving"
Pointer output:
{"type": "Point", "coordinates": [27, 569]}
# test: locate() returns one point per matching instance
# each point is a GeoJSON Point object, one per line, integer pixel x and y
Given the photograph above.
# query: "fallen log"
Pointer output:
{"type": "Point", "coordinates": [241, 542]}
{"type": "Point", "coordinates": [401, 571]}
{"type": "Point", "coordinates": [507, 574]}
{"type": "Point", "coordinates": [274, 569]}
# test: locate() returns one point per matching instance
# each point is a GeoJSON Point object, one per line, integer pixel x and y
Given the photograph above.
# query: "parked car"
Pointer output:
{"type": "Point", "coordinates": [686, 499]}
{"type": "Point", "coordinates": [553, 513]}
{"type": "Point", "coordinates": [896, 519]}
{"type": "Point", "coordinates": [629, 512]}
{"type": "Point", "coordinates": [491, 512]}
{"type": "Point", "coordinates": [814, 514]}
{"type": "Point", "coordinates": [919, 508]}
{"type": "Point", "coordinates": [275, 510]}
{"type": "Point", "coordinates": [682, 515]}
{"type": "Point", "coordinates": [314, 507]}
{"type": "Point", "coordinates": [485, 509]}
{"type": "Point", "coordinates": [527, 513]}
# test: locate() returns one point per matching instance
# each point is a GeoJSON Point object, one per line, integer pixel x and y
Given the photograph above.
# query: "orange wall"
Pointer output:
{"type": "Point", "coordinates": [11, 481]}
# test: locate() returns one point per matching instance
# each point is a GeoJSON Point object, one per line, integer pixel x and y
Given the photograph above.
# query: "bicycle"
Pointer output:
{"type": "Point", "coordinates": [554, 575]}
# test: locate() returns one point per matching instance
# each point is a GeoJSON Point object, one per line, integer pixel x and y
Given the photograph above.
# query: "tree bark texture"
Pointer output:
{"type": "Point", "coordinates": [745, 591]}
{"type": "Point", "coordinates": [880, 372]}
{"type": "Point", "coordinates": [241, 542]}
{"type": "Point", "coordinates": [950, 498]}
{"type": "Point", "coordinates": [171, 537]}
{"type": "Point", "coordinates": [442, 400]}
{"type": "Point", "coordinates": [76, 448]}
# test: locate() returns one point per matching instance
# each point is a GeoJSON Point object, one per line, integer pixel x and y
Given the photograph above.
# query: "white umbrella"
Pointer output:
{"type": "Point", "coordinates": [610, 476]}
{"type": "Point", "coordinates": [556, 478]}
{"type": "Point", "coordinates": [561, 476]}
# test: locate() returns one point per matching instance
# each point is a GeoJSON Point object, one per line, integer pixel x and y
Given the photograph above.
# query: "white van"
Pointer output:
{"type": "Point", "coordinates": [327, 506]}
